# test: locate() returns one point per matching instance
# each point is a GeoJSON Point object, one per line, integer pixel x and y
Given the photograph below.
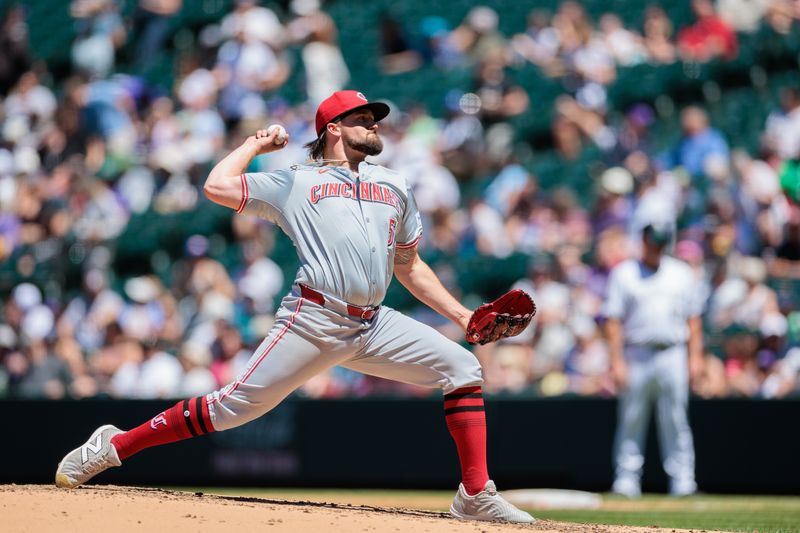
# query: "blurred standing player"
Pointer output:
{"type": "Point", "coordinates": [655, 339]}
{"type": "Point", "coordinates": [354, 225]}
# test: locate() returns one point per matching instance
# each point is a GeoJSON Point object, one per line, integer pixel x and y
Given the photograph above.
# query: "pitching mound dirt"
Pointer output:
{"type": "Point", "coordinates": [44, 509]}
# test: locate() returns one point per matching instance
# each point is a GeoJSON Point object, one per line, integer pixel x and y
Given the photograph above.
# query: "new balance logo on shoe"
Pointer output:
{"type": "Point", "coordinates": [94, 447]}
{"type": "Point", "coordinates": [84, 462]}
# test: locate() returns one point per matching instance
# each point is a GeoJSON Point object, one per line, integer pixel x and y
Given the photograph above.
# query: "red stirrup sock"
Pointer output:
{"type": "Point", "coordinates": [187, 418]}
{"type": "Point", "coordinates": [466, 420]}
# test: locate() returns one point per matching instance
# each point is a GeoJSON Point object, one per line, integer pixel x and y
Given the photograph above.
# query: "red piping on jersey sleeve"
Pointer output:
{"type": "Point", "coordinates": [245, 194]}
{"type": "Point", "coordinates": [410, 244]}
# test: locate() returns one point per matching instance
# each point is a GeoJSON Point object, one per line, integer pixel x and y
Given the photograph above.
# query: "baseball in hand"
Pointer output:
{"type": "Point", "coordinates": [280, 137]}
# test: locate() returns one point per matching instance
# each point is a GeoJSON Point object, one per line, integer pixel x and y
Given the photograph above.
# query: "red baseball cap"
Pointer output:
{"type": "Point", "coordinates": [343, 102]}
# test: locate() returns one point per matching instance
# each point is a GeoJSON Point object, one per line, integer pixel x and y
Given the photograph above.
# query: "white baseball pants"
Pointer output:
{"type": "Point", "coordinates": [307, 339]}
{"type": "Point", "coordinates": [659, 376]}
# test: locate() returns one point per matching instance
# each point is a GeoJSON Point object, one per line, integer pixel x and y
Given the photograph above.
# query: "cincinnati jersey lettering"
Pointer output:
{"type": "Point", "coordinates": [369, 192]}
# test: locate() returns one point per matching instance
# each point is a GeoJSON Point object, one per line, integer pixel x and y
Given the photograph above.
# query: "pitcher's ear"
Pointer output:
{"type": "Point", "coordinates": [334, 128]}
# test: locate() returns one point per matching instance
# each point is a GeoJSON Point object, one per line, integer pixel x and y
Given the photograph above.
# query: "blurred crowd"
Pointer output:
{"type": "Point", "coordinates": [85, 152]}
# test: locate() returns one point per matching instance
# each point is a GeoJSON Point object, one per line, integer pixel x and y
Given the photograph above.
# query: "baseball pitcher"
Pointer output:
{"type": "Point", "coordinates": [354, 225]}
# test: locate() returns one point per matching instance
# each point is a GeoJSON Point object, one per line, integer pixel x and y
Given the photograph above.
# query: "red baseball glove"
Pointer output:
{"type": "Point", "coordinates": [507, 316]}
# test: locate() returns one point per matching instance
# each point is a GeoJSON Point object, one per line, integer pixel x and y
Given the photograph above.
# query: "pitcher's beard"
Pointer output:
{"type": "Point", "coordinates": [371, 145]}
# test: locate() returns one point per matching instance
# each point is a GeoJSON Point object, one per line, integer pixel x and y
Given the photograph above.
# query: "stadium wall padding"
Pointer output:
{"type": "Point", "coordinates": [743, 445]}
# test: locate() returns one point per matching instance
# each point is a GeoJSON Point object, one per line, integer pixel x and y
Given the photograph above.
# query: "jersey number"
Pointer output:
{"type": "Point", "coordinates": [392, 224]}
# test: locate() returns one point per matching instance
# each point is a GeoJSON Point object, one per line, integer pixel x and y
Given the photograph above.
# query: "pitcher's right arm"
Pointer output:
{"type": "Point", "coordinates": [224, 184]}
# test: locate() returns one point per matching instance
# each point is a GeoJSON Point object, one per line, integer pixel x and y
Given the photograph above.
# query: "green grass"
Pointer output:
{"type": "Point", "coordinates": [764, 514]}
{"type": "Point", "coordinates": [773, 514]}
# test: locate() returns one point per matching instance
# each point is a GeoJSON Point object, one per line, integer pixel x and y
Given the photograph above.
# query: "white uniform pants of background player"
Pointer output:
{"type": "Point", "coordinates": [307, 339]}
{"type": "Point", "coordinates": [660, 376]}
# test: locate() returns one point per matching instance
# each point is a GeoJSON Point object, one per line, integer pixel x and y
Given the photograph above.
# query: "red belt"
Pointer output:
{"type": "Point", "coordinates": [364, 313]}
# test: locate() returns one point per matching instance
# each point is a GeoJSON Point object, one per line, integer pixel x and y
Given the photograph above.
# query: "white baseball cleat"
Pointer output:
{"type": "Point", "coordinates": [627, 487]}
{"type": "Point", "coordinates": [682, 488]}
{"type": "Point", "coordinates": [487, 505]}
{"type": "Point", "coordinates": [83, 463]}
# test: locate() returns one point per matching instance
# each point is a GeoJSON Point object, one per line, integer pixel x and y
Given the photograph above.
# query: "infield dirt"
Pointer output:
{"type": "Point", "coordinates": [45, 509]}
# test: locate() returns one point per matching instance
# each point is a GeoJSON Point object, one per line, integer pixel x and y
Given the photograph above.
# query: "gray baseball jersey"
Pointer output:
{"type": "Point", "coordinates": [653, 305]}
{"type": "Point", "coordinates": [345, 229]}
